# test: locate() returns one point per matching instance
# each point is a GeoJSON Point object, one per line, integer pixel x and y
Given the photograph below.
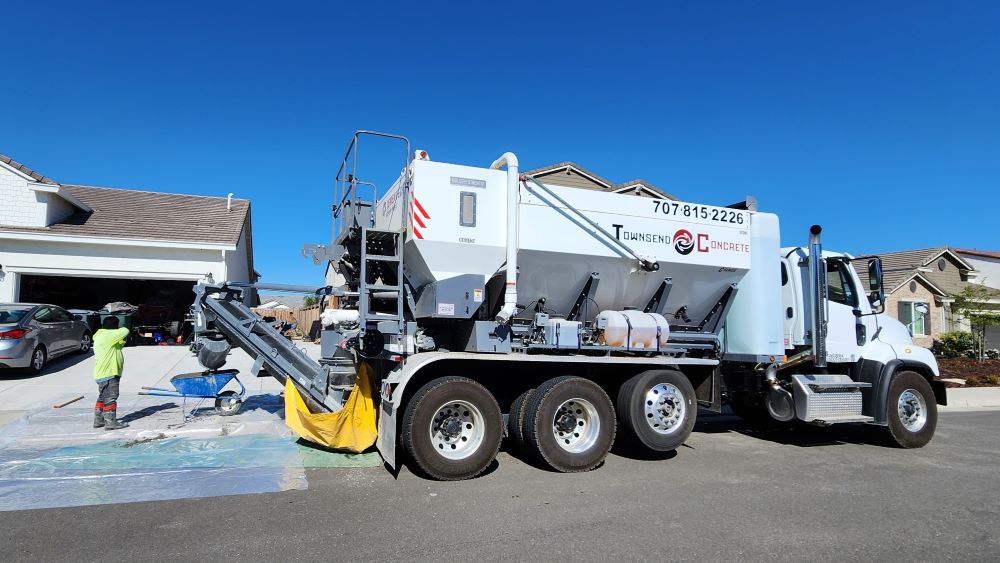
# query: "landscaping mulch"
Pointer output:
{"type": "Point", "coordinates": [975, 373]}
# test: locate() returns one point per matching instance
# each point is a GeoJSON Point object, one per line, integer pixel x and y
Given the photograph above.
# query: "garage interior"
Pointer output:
{"type": "Point", "coordinates": [160, 302]}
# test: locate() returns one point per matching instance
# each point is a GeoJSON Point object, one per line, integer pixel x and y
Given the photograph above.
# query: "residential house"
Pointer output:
{"type": "Point", "coordinates": [85, 246]}
{"type": "Point", "coordinates": [919, 287]}
{"type": "Point", "coordinates": [988, 265]}
{"type": "Point", "coordinates": [573, 175]}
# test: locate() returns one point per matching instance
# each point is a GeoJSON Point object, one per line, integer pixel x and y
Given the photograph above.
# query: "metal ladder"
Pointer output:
{"type": "Point", "coordinates": [381, 273]}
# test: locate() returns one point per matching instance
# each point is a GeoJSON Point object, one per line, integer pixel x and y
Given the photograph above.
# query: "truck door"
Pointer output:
{"type": "Point", "coordinates": [845, 328]}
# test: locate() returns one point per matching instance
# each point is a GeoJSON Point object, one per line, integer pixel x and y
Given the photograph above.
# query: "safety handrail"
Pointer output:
{"type": "Point", "coordinates": [347, 182]}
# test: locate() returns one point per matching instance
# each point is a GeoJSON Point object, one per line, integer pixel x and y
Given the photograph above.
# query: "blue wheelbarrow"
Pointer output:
{"type": "Point", "coordinates": [204, 385]}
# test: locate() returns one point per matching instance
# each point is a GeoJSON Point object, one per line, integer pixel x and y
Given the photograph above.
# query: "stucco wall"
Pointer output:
{"type": "Point", "coordinates": [989, 269]}
{"type": "Point", "coordinates": [938, 314]}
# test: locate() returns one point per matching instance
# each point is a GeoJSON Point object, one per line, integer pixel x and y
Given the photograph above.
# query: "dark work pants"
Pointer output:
{"type": "Point", "coordinates": [107, 397]}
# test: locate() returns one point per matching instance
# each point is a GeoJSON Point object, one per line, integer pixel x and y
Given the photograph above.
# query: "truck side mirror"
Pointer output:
{"type": "Point", "coordinates": [877, 296]}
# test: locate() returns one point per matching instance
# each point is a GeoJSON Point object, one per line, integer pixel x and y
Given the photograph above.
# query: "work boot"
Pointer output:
{"type": "Point", "coordinates": [98, 418]}
{"type": "Point", "coordinates": [111, 421]}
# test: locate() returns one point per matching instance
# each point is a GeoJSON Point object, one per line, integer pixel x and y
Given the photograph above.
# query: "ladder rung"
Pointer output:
{"type": "Point", "coordinates": [382, 258]}
{"type": "Point", "coordinates": [382, 287]}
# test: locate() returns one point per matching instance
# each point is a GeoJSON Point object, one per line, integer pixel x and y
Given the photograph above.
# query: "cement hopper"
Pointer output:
{"type": "Point", "coordinates": [457, 227]}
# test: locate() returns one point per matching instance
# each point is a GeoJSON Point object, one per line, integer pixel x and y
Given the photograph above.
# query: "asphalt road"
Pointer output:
{"type": "Point", "coordinates": [731, 494]}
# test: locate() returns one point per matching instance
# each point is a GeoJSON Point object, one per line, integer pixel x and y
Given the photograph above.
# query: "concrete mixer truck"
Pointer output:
{"type": "Point", "coordinates": [487, 304]}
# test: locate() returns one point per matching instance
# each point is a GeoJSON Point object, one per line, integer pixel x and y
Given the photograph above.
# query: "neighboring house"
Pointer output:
{"type": "Point", "coordinates": [573, 175]}
{"type": "Point", "coordinates": [280, 302]}
{"type": "Point", "coordinates": [919, 285]}
{"type": "Point", "coordinates": [988, 265]}
{"type": "Point", "coordinates": [83, 246]}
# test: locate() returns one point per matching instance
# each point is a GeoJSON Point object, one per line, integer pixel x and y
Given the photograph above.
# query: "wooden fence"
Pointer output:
{"type": "Point", "coordinates": [307, 319]}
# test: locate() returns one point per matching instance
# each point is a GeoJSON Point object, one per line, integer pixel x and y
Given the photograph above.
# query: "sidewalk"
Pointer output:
{"type": "Point", "coordinates": [972, 399]}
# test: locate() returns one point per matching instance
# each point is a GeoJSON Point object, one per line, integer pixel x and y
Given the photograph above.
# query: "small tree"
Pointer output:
{"type": "Point", "coordinates": [309, 301]}
{"type": "Point", "coordinates": [978, 305]}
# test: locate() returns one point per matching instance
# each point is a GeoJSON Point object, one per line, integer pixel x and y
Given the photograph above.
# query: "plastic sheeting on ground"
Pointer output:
{"type": "Point", "coordinates": [352, 428]}
{"type": "Point", "coordinates": [52, 458]}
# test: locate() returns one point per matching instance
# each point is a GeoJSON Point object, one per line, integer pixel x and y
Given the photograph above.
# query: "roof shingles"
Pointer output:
{"type": "Point", "coordinates": [134, 214]}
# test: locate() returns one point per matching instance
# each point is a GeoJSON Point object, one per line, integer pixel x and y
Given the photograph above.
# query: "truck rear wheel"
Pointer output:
{"type": "Point", "coordinates": [452, 428]}
{"type": "Point", "coordinates": [658, 407]}
{"type": "Point", "coordinates": [911, 410]}
{"type": "Point", "coordinates": [515, 420]}
{"type": "Point", "coordinates": [569, 424]}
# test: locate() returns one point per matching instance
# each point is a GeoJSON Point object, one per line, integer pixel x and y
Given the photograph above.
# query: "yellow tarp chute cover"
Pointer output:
{"type": "Point", "coordinates": [352, 428]}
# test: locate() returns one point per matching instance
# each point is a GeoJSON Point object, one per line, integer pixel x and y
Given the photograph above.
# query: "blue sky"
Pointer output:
{"type": "Point", "coordinates": [878, 120]}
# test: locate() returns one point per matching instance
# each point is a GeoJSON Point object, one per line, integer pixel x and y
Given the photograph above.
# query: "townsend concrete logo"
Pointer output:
{"type": "Point", "coordinates": [683, 241]}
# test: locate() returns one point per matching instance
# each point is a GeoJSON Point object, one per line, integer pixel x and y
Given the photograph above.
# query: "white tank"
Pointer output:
{"type": "Point", "coordinates": [457, 225]}
{"type": "Point", "coordinates": [632, 330]}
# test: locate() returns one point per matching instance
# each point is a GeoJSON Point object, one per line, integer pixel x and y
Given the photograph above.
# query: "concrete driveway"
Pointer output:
{"type": "Point", "coordinates": [151, 366]}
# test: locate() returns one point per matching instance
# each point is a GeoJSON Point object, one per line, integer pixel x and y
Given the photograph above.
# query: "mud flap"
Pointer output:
{"type": "Point", "coordinates": [352, 428]}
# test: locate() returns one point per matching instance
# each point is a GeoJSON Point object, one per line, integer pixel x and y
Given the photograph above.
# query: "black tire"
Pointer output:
{"type": "Point", "coordinates": [553, 408]}
{"type": "Point", "coordinates": [444, 402]}
{"type": "Point", "coordinates": [669, 424]}
{"type": "Point", "coordinates": [36, 366]}
{"type": "Point", "coordinates": [175, 329]}
{"type": "Point", "coordinates": [910, 433]}
{"type": "Point", "coordinates": [752, 409]}
{"type": "Point", "coordinates": [515, 420]}
{"type": "Point", "coordinates": [86, 342]}
{"type": "Point", "coordinates": [228, 403]}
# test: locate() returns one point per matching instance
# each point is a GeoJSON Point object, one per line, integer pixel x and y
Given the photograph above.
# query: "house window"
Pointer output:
{"type": "Point", "coordinates": [916, 315]}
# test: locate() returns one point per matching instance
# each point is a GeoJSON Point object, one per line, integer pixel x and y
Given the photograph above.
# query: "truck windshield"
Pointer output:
{"type": "Point", "coordinates": [838, 280]}
{"type": "Point", "coordinates": [12, 313]}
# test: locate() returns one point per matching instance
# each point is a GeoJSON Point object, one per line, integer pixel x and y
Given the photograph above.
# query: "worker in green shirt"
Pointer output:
{"type": "Point", "coordinates": [108, 344]}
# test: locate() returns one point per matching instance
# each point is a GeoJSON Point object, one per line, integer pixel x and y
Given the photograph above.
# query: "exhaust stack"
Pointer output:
{"type": "Point", "coordinates": [513, 181]}
{"type": "Point", "coordinates": [818, 296]}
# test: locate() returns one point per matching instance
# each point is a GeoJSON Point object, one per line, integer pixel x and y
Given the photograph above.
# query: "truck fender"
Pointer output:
{"type": "Point", "coordinates": [880, 387]}
{"type": "Point", "coordinates": [392, 391]}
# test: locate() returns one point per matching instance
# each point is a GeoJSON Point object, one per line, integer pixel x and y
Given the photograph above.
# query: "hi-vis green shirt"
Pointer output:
{"type": "Point", "coordinates": [108, 351]}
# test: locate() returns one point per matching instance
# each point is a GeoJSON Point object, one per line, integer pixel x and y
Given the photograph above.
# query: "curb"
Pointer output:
{"type": "Point", "coordinates": [973, 398]}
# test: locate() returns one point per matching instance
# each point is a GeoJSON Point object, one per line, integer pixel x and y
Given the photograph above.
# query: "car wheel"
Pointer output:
{"type": "Point", "coordinates": [86, 342]}
{"type": "Point", "coordinates": [38, 359]}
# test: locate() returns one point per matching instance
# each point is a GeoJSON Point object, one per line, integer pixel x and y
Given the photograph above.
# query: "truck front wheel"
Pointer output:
{"type": "Point", "coordinates": [452, 428]}
{"type": "Point", "coordinates": [569, 424]}
{"type": "Point", "coordinates": [911, 410]}
{"type": "Point", "coordinates": [659, 408]}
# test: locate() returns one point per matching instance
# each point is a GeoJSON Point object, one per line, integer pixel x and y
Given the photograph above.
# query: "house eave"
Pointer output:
{"type": "Point", "coordinates": [83, 239]}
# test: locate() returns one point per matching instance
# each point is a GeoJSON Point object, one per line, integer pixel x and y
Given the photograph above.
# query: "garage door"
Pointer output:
{"type": "Point", "coordinates": [161, 302]}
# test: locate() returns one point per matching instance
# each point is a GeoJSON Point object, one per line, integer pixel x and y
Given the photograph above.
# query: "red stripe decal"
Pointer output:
{"type": "Point", "coordinates": [421, 208]}
{"type": "Point", "coordinates": [417, 234]}
{"type": "Point", "coordinates": [419, 222]}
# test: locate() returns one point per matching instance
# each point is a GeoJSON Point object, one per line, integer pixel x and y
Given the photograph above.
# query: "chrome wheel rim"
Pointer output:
{"type": "Point", "coordinates": [457, 430]}
{"type": "Point", "coordinates": [912, 410]}
{"type": "Point", "coordinates": [38, 360]}
{"type": "Point", "coordinates": [664, 408]}
{"type": "Point", "coordinates": [576, 425]}
{"type": "Point", "coordinates": [85, 342]}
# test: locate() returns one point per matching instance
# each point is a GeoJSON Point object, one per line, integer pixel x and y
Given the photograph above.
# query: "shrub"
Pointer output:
{"type": "Point", "coordinates": [992, 379]}
{"type": "Point", "coordinates": [955, 344]}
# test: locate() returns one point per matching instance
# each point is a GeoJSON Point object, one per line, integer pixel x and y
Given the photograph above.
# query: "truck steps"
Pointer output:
{"type": "Point", "coordinates": [838, 419]}
{"type": "Point", "coordinates": [828, 398]}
